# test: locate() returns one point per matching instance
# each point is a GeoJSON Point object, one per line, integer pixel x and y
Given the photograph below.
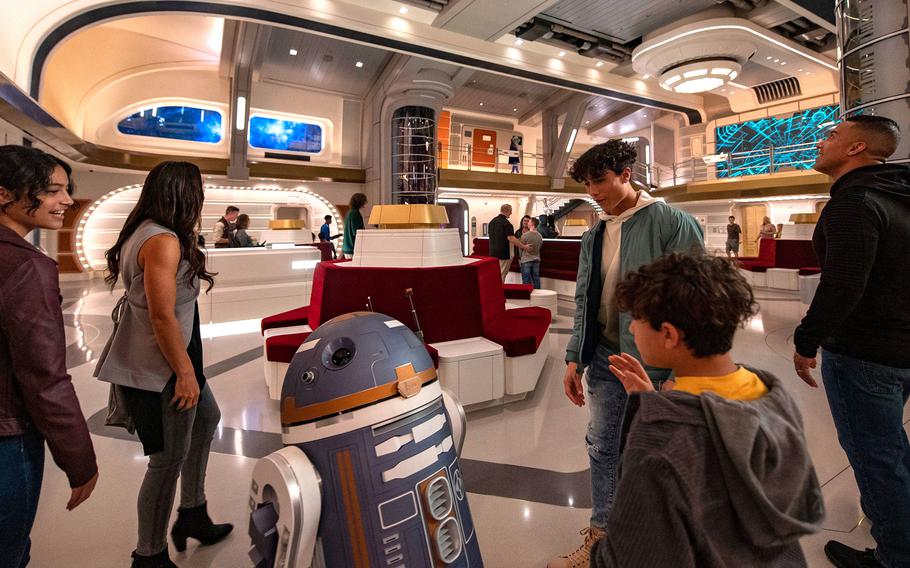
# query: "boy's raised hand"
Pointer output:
{"type": "Point", "coordinates": [630, 373]}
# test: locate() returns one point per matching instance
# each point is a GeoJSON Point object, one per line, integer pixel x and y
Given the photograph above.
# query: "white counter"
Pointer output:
{"type": "Point", "coordinates": [256, 282]}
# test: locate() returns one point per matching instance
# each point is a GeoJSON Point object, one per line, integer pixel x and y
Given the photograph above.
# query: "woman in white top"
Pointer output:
{"type": "Point", "coordinates": [155, 358]}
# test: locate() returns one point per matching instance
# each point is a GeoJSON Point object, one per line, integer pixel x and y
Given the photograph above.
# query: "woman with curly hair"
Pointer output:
{"type": "Point", "coordinates": [353, 222]}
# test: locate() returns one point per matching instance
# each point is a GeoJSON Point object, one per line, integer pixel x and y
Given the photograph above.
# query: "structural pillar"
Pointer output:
{"type": "Point", "coordinates": [873, 39]}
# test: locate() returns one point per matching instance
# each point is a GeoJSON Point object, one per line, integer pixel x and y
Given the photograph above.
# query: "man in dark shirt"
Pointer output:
{"type": "Point", "coordinates": [733, 233]}
{"type": "Point", "coordinates": [501, 234]}
{"type": "Point", "coordinates": [860, 317]}
{"type": "Point", "coordinates": [325, 233]}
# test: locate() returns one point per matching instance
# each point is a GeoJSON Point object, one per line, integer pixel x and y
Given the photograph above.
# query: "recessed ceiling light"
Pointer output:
{"type": "Point", "coordinates": [776, 60]}
{"type": "Point", "coordinates": [358, 64]}
{"type": "Point", "coordinates": [561, 53]}
{"type": "Point", "coordinates": [519, 41]}
{"type": "Point", "coordinates": [769, 57]}
{"type": "Point", "coordinates": [514, 110]}
{"type": "Point", "coordinates": [403, 10]}
{"type": "Point", "coordinates": [293, 52]}
{"type": "Point", "coordinates": [800, 70]}
{"type": "Point", "coordinates": [644, 115]}
{"type": "Point", "coordinates": [783, 62]}
{"type": "Point", "coordinates": [481, 104]}
{"type": "Point", "coordinates": [599, 64]}
{"type": "Point", "coordinates": [646, 77]}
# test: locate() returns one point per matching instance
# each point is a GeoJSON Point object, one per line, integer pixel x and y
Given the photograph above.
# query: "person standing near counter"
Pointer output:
{"type": "Point", "coordinates": [37, 398]}
{"type": "Point", "coordinates": [530, 257]}
{"type": "Point", "coordinates": [224, 227]}
{"type": "Point", "coordinates": [353, 222]}
{"type": "Point", "coordinates": [241, 238]}
{"type": "Point", "coordinates": [155, 358]}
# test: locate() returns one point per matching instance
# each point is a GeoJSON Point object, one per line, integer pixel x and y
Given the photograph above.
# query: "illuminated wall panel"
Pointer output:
{"type": "Point", "coordinates": [748, 144]}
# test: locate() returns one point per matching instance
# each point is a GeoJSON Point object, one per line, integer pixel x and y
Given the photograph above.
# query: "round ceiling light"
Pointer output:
{"type": "Point", "coordinates": [699, 76]}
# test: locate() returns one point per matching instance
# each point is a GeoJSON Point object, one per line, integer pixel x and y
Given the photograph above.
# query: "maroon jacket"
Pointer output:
{"type": "Point", "coordinates": [36, 392]}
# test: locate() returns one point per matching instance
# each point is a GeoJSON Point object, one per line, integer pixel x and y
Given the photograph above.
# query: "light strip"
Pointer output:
{"type": "Point", "coordinates": [241, 113]}
{"type": "Point", "coordinates": [571, 140]}
{"type": "Point", "coordinates": [735, 27]}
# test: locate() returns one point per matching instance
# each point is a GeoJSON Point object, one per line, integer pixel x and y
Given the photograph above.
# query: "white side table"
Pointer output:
{"type": "Point", "coordinates": [472, 368]}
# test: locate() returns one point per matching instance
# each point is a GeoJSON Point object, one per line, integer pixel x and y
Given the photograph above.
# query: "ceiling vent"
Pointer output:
{"type": "Point", "coordinates": [777, 90]}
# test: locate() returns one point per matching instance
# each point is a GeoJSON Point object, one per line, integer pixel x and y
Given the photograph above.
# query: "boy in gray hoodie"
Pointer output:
{"type": "Point", "coordinates": [715, 470]}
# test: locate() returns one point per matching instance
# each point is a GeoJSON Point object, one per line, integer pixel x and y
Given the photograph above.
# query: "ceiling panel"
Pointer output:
{"type": "Point", "coordinates": [321, 62]}
{"type": "Point", "coordinates": [497, 94]}
{"type": "Point", "coordinates": [624, 20]}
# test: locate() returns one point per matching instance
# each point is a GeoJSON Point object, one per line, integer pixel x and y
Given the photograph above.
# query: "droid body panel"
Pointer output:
{"type": "Point", "coordinates": [362, 410]}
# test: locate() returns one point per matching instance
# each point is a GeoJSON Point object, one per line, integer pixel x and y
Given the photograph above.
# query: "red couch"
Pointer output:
{"type": "Point", "coordinates": [558, 258]}
{"type": "Point", "coordinates": [781, 253]}
{"type": "Point", "coordinates": [452, 302]}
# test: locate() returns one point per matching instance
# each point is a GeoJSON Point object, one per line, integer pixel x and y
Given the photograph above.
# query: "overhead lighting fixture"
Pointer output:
{"type": "Point", "coordinates": [599, 64]}
{"type": "Point", "coordinates": [514, 110]}
{"type": "Point", "coordinates": [769, 58]}
{"type": "Point", "coordinates": [292, 52]}
{"type": "Point", "coordinates": [359, 64]}
{"type": "Point", "coordinates": [587, 122]}
{"type": "Point", "coordinates": [403, 9]}
{"type": "Point", "coordinates": [646, 77]}
{"type": "Point", "coordinates": [699, 76]}
{"type": "Point", "coordinates": [562, 53]}
{"type": "Point", "coordinates": [519, 41]}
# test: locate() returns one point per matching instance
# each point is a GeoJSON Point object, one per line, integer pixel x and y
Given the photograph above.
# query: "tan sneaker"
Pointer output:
{"type": "Point", "coordinates": [581, 556]}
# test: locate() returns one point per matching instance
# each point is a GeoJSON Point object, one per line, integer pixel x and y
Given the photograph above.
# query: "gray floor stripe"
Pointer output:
{"type": "Point", "coordinates": [485, 478]}
{"type": "Point", "coordinates": [231, 363]}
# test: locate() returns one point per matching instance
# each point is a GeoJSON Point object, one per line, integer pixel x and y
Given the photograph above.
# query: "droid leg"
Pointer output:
{"type": "Point", "coordinates": [285, 504]}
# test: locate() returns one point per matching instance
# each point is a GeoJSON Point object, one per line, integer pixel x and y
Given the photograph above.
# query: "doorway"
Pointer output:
{"type": "Point", "coordinates": [751, 218]}
{"type": "Point", "coordinates": [483, 154]}
{"type": "Point", "coordinates": [457, 211]}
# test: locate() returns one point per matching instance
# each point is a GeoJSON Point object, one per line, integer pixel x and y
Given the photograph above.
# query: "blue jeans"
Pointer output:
{"type": "Point", "coordinates": [867, 402]}
{"type": "Point", "coordinates": [21, 470]}
{"type": "Point", "coordinates": [530, 273]}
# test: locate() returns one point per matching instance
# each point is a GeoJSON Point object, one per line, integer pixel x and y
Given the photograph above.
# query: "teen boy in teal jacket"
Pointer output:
{"type": "Point", "coordinates": [636, 229]}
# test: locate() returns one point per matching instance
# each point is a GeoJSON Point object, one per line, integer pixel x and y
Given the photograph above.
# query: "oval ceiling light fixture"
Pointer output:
{"type": "Point", "coordinates": [699, 76]}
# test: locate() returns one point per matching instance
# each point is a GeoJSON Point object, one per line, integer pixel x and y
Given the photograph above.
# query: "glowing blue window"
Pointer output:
{"type": "Point", "coordinates": [175, 122]}
{"type": "Point", "coordinates": [757, 146]}
{"type": "Point", "coordinates": [285, 135]}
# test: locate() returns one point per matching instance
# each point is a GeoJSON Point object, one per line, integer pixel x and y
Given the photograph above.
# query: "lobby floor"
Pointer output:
{"type": "Point", "coordinates": [525, 464]}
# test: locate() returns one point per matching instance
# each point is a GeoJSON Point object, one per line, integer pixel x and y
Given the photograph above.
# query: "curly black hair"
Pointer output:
{"type": "Point", "coordinates": [613, 155]}
{"type": "Point", "coordinates": [704, 296]}
{"type": "Point", "coordinates": [26, 173]}
{"type": "Point", "coordinates": [358, 200]}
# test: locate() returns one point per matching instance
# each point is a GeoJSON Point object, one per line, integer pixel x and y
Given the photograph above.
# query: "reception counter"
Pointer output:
{"type": "Point", "coordinates": [252, 283]}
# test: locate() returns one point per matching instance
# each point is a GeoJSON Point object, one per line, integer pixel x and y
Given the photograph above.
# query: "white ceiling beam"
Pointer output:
{"type": "Point", "coordinates": [612, 117]}
{"type": "Point", "coordinates": [488, 19]}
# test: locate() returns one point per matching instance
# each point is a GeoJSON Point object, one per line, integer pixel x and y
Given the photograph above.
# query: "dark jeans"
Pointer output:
{"type": "Point", "coordinates": [867, 402]}
{"type": "Point", "coordinates": [21, 470]}
{"type": "Point", "coordinates": [530, 273]}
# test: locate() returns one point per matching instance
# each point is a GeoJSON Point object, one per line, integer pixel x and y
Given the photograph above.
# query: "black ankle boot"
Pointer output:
{"type": "Point", "coordinates": [160, 560]}
{"type": "Point", "coordinates": [195, 523]}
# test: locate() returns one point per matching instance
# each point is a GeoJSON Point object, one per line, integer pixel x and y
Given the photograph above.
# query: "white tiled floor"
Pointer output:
{"type": "Point", "coordinates": [544, 431]}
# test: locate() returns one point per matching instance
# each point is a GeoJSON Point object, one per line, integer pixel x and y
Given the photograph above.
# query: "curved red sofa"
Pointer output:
{"type": "Point", "coordinates": [452, 302]}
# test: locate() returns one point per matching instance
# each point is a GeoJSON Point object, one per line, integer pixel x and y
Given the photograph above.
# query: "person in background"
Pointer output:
{"type": "Point", "coordinates": [502, 233]}
{"type": "Point", "coordinates": [325, 233]}
{"type": "Point", "coordinates": [38, 402]}
{"type": "Point", "coordinates": [715, 472]}
{"type": "Point", "coordinates": [734, 232]}
{"type": "Point", "coordinates": [635, 229]}
{"type": "Point", "coordinates": [224, 227]}
{"type": "Point", "coordinates": [353, 222]}
{"type": "Point", "coordinates": [530, 257]}
{"type": "Point", "coordinates": [155, 358]}
{"type": "Point", "coordinates": [241, 238]}
{"type": "Point", "coordinates": [860, 317]}
{"type": "Point", "coordinates": [768, 230]}
{"type": "Point", "coordinates": [523, 228]}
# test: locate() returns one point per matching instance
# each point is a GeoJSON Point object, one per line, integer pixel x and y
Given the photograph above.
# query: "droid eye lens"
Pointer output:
{"type": "Point", "coordinates": [342, 357]}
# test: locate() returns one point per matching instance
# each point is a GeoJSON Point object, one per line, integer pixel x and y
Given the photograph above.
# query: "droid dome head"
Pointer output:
{"type": "Point", "coordinates": [351, 361]}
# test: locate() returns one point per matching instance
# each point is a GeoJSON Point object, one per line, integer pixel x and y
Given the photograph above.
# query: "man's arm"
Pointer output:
{"type": "Point", "coordinates": [851, 235]}
{"type": "Point", "coordinates": [218, 234]}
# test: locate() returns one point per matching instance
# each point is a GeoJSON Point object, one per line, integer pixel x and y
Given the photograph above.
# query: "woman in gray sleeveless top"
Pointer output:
{"type": "Point", "coordinates": [154, 358]}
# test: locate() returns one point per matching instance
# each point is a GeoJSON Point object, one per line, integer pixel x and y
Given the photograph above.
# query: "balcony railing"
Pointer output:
{"type": "Point", "coordinates": [768, 160]}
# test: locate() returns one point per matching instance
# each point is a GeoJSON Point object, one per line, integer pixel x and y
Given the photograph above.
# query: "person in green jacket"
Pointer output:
{"type": "Point", "coordinates": [353, 222]}
{"type": "Point", "coordinates": [635, 229]}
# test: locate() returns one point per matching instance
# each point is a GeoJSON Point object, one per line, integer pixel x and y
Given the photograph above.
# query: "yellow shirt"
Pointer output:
{"type": "Point", "coordinates": [740, 385]}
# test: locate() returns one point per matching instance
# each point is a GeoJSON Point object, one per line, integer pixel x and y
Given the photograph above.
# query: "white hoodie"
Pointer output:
{"type": "Point", "coordinates": [608, 315]}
